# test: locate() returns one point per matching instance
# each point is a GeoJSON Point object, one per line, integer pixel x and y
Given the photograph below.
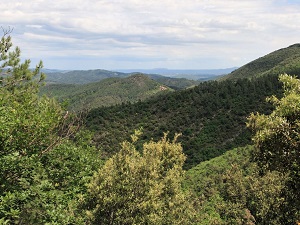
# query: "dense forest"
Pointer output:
{"type": "Point", "coordinates": [106, 92]}
{"type": "Point", "coordinates": [217, 153]}
{"type": "Point", "coordinates": [285, 60]}
{"type": "Point", "coordinates": [211, 117]}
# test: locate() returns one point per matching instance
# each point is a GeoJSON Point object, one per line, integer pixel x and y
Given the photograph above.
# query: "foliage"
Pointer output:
{"type": "Point", "coordinates": [211, 117]}
{"type": "Point", "coordinates": [140, 188]}
{"type": "Point", "coordinates": [110, 91]}
{"type": "Point", "coordinates": [175, 83]}
{"type": "Point", "coordinates": [91, 76]}
{"type": "Point", "coordinates": [46, 164]}
{"type": "Point", "coordinates": [81, 76]}
{"type": "Point", "coordinates": [42, 173]}
{"type": "Point", "coordinates": [230, 190]}
{"type": "Point", "coordinates": [286, 60]}
{"type": "Point", "coordinates": [277, 141]}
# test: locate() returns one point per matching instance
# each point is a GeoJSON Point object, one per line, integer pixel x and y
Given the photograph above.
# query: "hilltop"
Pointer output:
{"type": "Point", "coordinates": [124, 164]}
{"type": "Point", "coordinates": [109, 91]}
{"type": "Point", "coordinates": [200, 74]}
{"type": "Point", "coordinates": [210, 116]}
{"type": "Point", "coordinates": [89, 76]}
{"type": "Point", "coordinates": [285, 60]}
{"type": "Point", "coordinates": [81, 76]}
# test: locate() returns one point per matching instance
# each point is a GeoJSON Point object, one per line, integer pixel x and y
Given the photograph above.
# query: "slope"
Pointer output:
{"type": "Point", "coordinates": [230, 190]}
{"type": "Point", "coordinates": [90, 76]}
{"type": "Point", "coordinates": [82, 76]}
{"type": "Point", "coordinates": [210, 116]}
{"type": "Point", "coordinates": [107, 92]}
{"type": "Point", "coordinates": [285, 60]}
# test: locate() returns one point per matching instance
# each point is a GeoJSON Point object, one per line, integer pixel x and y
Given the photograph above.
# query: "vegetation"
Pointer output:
{"type": "Point", "coordinates": [51, 173]}
{"type": "Point", "coordinates": [42, 172]}
{"type": "Point", "coordinates": [286, 60]}
{"type": "Point", "coordinates": [255, 184]}
{"type": "Point", "coordinates": [82, 76]}
{"type": "Point", "coordinates": [91, 76]}
{"type": "Point", "coordinates": [211, 117]}
{"type": "Point", "coordinates": [277, 142]}
{"type": "Point", "coordinates": [230, 190]}
{"type": "Point", "coordinates": [174, 83]}
{"type": "Point", "coordinates": [110, 91]}
{"type": "Point", "coordinates": [134, 188]}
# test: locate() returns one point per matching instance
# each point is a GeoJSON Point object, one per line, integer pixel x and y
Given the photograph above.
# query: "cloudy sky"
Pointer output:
{"type": "Point", "coordinates": [146, 34]}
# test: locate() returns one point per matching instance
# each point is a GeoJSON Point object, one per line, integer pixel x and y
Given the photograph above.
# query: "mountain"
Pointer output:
{"type": "Point", "coordinates": [285, 60]}
{"type": "Point", "coordinates": [81, 76]}
{"type": "Point", "coordinates": [109, 91]}
{"type": "Point", "coordinates": [211, 117]}
{"type": "Point", "coordinates": [90, 76]}
{"type": "Point", "coordinates": [204, 74]}
{"type": "Point", "coordinates": [174, 83]}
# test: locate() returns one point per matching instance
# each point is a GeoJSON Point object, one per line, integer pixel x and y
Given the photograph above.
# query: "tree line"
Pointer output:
{"type": "Point", "coordinates": [51, 173]}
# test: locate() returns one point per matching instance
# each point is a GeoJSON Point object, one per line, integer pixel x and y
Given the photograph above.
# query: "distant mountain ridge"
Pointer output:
{"type": "Point", "coordinates": [82, 76]}
{"type": "Point", "coordinates": [89, 76]}
{"type": "Point", "coordinates": [109, 91]}
{"type": "Point", "coordinates": [285, 60]}
{"type": "Point", "coordinates": [200, 74]}
{"type": "Point", "coordinates": [211, 116]}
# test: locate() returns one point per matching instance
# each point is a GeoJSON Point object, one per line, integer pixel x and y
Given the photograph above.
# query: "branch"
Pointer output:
{"type": "Point", "coordinates": [7, 31]}
{"type": "Point", "coordinates": [67, 129]}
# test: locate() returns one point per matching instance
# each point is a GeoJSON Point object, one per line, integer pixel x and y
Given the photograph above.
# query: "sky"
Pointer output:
{"type": "Point", "coordinates": [147, 34]}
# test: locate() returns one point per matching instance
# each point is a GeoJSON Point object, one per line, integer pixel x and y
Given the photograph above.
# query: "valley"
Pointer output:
{"type": "Point", "coordinates": [106, 147]}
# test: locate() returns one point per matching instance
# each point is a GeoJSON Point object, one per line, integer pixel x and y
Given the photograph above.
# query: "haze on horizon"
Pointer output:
{"type": "Point", "coordinates": [173, 34]}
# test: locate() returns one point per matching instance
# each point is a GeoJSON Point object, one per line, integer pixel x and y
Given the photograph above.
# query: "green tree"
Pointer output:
{"type": "Point", "coordinates": [28, 129]}
{"type": "Point", "coordinates": [141, 188]}
{"type": "Point", "coordinates": [42, 172]}
{"type": "Point", "coordinates": [277, 141]}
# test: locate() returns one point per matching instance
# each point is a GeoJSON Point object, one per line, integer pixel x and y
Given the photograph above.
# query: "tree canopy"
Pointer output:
{"type": "Point", "coordinates": [277, 141]}
{"type": "Point", "coordinates": [52, 174]}
{"type": "Point", "coordinates": [42, 172]}
{"type": "Point", "coordinates": [141, 188]}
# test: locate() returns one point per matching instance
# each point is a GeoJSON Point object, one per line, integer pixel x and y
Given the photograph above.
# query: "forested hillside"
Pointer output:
{"type": "Point", "coordinates": [211, 117]}
{"type": "Point", "coordinates": [230, 190]}
{"type": "Point", "coordinates": [82, 76]}
{"type": "Point", "coordinates": [256, 184]}
{"type": "Point", "coordinates": [110, 91]}
{"type": "Point", "coordinates": [52, 172]}
{"type": "Point", "coordinates": [91, 76]}
{"type": "Point", "coordinates": [285, 60]}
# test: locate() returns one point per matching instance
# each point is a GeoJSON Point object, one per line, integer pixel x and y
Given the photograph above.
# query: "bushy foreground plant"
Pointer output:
{"type": "Point", "coordinates": [277, 141]}
{"type": "Point", "coordinates": [141, 188]}
{"type": "Point", "coordinates": [42, 172]}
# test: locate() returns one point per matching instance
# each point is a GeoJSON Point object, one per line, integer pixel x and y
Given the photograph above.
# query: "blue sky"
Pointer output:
{"type": "Point", "coordinates": [130, 34]}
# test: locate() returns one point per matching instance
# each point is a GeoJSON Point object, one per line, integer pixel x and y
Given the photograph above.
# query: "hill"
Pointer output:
{"type": "Point", "coordinates": [174, 83]}
{"type": "Point", "coordinates": [210, 116]}
{"type": "Point", "coordinates": [201, 74]}
{"type": "Point", "coordinates": [285, 60]}
{"type": "Point", "coordinates": [81, 76]}
{"type": "Point", "coordinates": [231, 190]}
{"type": "Point", "coordinates": [106, 92]}
{"type": "Point", "coordinates": [90, 76]}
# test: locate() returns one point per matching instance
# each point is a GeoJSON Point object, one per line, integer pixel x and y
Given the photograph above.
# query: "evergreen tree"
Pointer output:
{"type": "Point", "coordinates": [42, 173]}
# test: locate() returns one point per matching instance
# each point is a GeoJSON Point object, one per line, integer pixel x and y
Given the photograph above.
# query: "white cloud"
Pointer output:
{"type": "Point", "coordinates": [153, 33]}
